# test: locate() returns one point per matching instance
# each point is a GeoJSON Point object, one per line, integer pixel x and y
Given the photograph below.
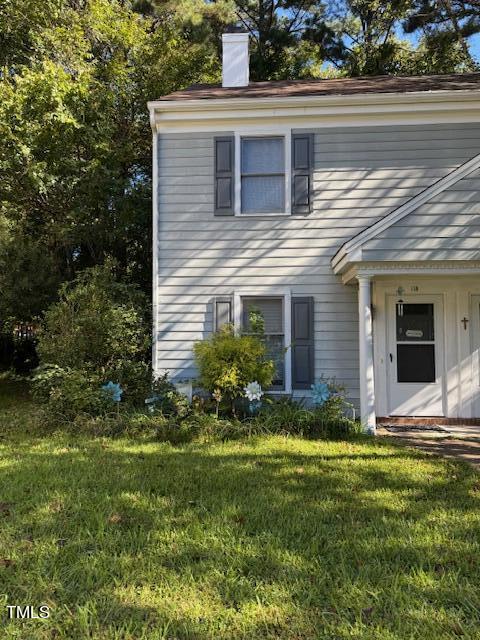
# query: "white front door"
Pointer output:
{"type": "Point", "coordinates": [475, 338]}
{"type": "Point", "coordinates": [415, 362]}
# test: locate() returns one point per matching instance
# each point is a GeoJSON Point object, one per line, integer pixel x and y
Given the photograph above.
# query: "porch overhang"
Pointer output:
{"type": "Point", "coordinates": [351, 270]}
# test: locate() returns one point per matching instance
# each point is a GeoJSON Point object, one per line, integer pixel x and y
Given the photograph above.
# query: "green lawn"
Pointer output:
{"type": "Point", "coordinates": [266, 538]}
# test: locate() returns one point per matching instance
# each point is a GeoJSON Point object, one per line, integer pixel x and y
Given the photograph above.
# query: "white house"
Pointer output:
{"type": "Point", "coordinates": [347, 210]}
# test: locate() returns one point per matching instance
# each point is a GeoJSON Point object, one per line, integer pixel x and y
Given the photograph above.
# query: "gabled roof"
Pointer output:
{"type": "Point", "coordinates": [331, 86]}
{"type": "Point", "coordinates": [351, 251]}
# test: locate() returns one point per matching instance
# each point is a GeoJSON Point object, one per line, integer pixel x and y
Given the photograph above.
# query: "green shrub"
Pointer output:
{"type": "Point", "coordinates": [69, 392]}
{"type": "Point", "coordinates": [227, 362]}
{"type": "Point", "coordinates": [167, 400]}
{"type": "Point", "coordinates": [290, 417]}
{"type": "Point", "coordinates": [98, 327]}
{"type": "Point", "coordinates": [45, 378]}
{"type": "Point", "coordinates": [284, 415]}
{"type": "Point", "coordinates": [98, 330]}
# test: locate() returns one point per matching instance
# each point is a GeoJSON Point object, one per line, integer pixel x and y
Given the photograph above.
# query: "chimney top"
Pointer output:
{"type": "Point", "coordinates": [235, 62]}
{"type": "Point", "coordinates": [235, 28]}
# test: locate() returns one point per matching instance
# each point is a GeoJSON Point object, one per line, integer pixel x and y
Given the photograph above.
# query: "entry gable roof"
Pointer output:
{"type": "Point", "coordinates": [351, 251]}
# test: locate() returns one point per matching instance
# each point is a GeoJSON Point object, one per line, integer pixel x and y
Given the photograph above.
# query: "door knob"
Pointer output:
{"type": "Point", "coordinates": [391, 357]}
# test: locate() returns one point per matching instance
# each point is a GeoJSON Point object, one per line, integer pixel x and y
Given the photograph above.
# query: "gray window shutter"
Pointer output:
{"type": "Point", "coordinates": [302, 167]}
{"type": "Point", "coordinates": [302, 343]}
{"type": "Point", "coordinates": [224, 175]}
{"type": "Point", "coordinates": [222, 312]}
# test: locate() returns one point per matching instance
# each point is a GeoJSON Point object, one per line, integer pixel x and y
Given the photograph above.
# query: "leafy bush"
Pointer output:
{"type": "Point", "coordinates": [329, 397]}
{"type": "Point", "coordinates": [69, 392]}
{"type": "Point", "coordinates": [96, 332]}
{"type": "Point", "coordinates": [97, 325]}
{"type": "Point", "coordinates": [228, 362]}
{"type": "Point", "coordinates": [167, 400]}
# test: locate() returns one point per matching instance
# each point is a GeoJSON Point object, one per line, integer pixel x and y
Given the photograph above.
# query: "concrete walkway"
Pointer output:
{"type": "Point", "coordinates": [460, 442]}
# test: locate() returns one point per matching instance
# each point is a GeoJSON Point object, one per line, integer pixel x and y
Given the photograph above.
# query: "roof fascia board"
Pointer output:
{"type": "Point", "coordinates": [324, 111]}
{"type": "Point", "coordinates": [428, 268]}
{"type": "Point", "coordinates": [351, 250]}
{"type": "Point", "coordinates": [219, 104]}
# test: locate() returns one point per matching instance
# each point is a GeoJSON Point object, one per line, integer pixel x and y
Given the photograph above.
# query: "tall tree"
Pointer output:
{"type": "Point", "coordinates": [278, 27]}
{"type": "Point", "coordinates": [279, 46]}
{"type": "Point", "coordinates": [367, 36]}
{"type": "Point", "coordinates": [75, 154]}
{"type": "Point", "coordinates": [445, 27]}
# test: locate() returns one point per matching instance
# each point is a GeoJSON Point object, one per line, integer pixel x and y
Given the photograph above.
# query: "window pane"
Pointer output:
{"type": "Point", "coordinates": [263, 194]}
{"type": "Point", "coordinates": [263, 155]}
{"type": "Point", "coordinates": [416, 362]}
{"type": "Point", "coordinates": [276, 352]}
{"type": "Point", "coordinates": [415, 322]}
{"type": "Point", "coordinates": [270, 309]}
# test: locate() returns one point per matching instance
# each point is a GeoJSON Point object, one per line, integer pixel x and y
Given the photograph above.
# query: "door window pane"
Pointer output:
{"type": "Point", "coordinates": [415, 322]}
{"type": "Point", "coordinates": [416, 362]}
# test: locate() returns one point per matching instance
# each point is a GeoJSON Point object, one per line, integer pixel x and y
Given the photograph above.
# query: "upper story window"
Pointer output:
{"type": "Point", "coordinates": [263, 175]}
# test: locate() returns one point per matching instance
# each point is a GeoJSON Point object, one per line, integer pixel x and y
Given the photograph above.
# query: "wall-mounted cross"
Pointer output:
{"type": "Point", "coordinates": [465, 322]}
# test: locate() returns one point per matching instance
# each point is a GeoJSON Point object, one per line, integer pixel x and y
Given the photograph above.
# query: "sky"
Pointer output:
{"type": "Point", "coordinates": [474, 42]}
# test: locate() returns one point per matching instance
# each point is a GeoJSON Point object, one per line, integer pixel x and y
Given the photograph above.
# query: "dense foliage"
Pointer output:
{"type": "Point", "coordinates": [75, 140]}
{"type": "Point", "coordinates": [227, 363]}
{"type": "Point", "coordinates": [311, 38]}
{"type": "Point", "coordinates": [96, 332]}
{"type": "Point", "coordinates": [69, 393]}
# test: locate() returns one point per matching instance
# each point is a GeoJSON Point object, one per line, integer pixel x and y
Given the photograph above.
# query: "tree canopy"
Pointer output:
{"type": "Point", "coordinates": [75, 144]}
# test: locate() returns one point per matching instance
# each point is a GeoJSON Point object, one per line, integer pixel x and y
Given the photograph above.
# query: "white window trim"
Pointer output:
{"type": "Point", "coordinates": [279, 132]}
{"type": "Point", "coordinates": [284, 293]}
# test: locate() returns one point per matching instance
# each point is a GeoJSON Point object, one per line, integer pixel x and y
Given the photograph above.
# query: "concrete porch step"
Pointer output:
{"type": "Point", "coordinates": [415, 421]}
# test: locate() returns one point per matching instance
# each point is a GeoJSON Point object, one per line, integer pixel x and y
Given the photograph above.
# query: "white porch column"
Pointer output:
{"type": "Point", "coordinates": [367, 384]}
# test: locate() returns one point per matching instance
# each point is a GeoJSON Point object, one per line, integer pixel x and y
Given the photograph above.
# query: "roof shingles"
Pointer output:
{"type": "Point", "coordinates": [337, 86]}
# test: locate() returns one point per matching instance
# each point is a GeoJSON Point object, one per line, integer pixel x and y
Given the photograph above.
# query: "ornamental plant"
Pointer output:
{"type": "Point", "coordinates": [227, 363]}
{"type": "Point", "coordinates": [98, 328]}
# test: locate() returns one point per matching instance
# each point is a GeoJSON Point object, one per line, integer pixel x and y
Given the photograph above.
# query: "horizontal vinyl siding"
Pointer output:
{"type": "Point", "coordinates": [447, 227]}
{"type": "Point", "coordinates": [360, 175]}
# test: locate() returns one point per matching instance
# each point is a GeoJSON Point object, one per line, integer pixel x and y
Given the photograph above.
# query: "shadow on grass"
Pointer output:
{"type": "Point", "coordinates": [231, 541]}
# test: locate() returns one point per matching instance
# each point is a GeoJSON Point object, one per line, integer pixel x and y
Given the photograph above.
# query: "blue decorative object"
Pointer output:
{"type": "Point", "coordinates": [151, 402]}
{"type": "Point", "coordinates": [113, 390]}
{"type": "Point", "coordinates": [254, 406]}
{"type": "Point", "coordinates": [320, 393]}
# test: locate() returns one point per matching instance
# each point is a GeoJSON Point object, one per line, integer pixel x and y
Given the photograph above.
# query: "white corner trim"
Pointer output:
{"type": "Point", "coordinates": [152, 118]}
{"type": "Point", "coordinates": [343, 255]}
{"type": "Point", "coordinates": [286, 294]}
{"type": "Point", "coordinates": [154, 247]}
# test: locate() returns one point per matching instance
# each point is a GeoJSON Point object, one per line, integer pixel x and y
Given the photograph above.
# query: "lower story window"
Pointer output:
{"type": "Point", "coordinates": [264, 316]}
